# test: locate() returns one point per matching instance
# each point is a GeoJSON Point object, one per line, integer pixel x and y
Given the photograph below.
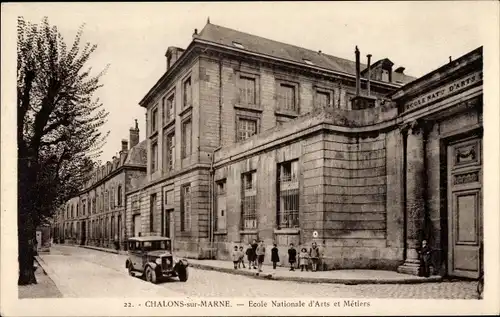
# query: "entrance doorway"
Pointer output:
{"type": "Point", "coordinates": [84, 232]}
{"type": "Point", "coordinates": [137, 225]}
{"type": "Point", "coordinates": [465, 215]}
{"type": "Point", "coordinates": [166, 222]}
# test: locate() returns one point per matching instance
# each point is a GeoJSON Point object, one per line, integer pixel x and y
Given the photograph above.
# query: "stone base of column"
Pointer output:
{"type": "Point", "coordinates": [411, 267]}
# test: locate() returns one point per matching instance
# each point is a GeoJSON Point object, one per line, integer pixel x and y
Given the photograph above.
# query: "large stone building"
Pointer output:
{"type": "Point", "coordinates": [96, 216]}
{"type": "Point", "coordinates": [248, 138]}
{"type": "Point", "coordinates": [224, 88]}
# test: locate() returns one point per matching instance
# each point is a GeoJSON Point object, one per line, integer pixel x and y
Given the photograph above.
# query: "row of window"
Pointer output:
{"type": "Point", "coordinates": [287, 210]}
{"type": "Point", "coordinates": [168, 105]}
{"type": "Point", "coordinates": [92, 206]}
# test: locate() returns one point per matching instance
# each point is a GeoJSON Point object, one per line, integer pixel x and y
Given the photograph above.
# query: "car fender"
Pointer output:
{"type": "Point", "coordinates": [180, 264]}
{"type": "Point", "coordinates": [154, 266]}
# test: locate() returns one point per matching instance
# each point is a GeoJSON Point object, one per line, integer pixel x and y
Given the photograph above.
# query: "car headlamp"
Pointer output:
{"type": "Point", "coordinates": [158, 261]}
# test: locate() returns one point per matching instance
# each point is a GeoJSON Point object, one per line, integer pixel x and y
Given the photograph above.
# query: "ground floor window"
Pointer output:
{"type": "Point", "coordinates": [288, 195]}
{"type": "Point", "coordinates": [248, 200]}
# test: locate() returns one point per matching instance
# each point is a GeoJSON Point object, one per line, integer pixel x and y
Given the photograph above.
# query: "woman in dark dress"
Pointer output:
{"type": "Point", "coordinates": [275, 258]}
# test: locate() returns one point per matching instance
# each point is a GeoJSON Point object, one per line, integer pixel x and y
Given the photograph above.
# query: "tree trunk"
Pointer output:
{"type": "Point", "coordinates": [25, 225]}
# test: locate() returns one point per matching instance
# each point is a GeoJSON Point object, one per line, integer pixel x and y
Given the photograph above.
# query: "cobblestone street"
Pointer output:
{"type": "Point", "coordinates": [212, 284]}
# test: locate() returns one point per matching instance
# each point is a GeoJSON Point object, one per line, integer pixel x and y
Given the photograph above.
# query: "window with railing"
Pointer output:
{"type": "Point", "coordinates": [248, 201]}
{"type": "Point", "coordinates": [288, 195]}
{"type": "Point", "coordinates": [185, 207]}
{"type": "Point", "coordinates": [220, 215]}
{"type": "Point", "coordinates": [169, 150]}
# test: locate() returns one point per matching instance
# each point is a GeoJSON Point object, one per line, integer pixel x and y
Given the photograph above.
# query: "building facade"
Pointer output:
{"type": "Point", "coordinates": [96, 216]}
{"type": "Point", "coordinates": [248, 138]}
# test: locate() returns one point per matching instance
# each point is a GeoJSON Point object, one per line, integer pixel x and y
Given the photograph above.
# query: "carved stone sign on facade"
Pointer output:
{"type": "Point", "coordinates": [446, 90]}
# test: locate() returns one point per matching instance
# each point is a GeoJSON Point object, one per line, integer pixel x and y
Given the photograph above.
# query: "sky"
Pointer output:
{"type": "Point", "coordinates": [133, 37]}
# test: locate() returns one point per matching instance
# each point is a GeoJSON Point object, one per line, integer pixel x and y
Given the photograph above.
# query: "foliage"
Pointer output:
{"type": "Point", "coordinates": [59, 121]}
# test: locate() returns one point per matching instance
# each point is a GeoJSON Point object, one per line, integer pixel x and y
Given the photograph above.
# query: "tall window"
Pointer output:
{"type": "Point", "coordinates": [186, 138]}
{"type": "Point", "coordinates": [152, 210]}
{"type": "Point", "coordinates": [154, 119]}
{"type": "Point", "coordinates": [220, 215]}
{"type": "Point", "coordinates": [112, 227]}
{"type": "Point", "coordinates": [154, 156]}
{"type": "Point", "coordinates": [119, 195]}
{"type": "Point", "coordinates": [185, 207]}
{"type": "Point", "coordinates": [288, 195]}
{"type": "Point", "coordinates": [246, 128]}
{"type": "Point", "coordinates": [247, 90]}
{"type": "Point", "coordinates": [106, 201]}
{"type": "Point", "coordinates": [168, 108]}
{"type": "Point", "coordinates": [112, 198]}
{"type": "Point", "coordinates": [169, 141]}
{"type": "Point", "coordinates": [248, 201]}
{"type": "Point", "coordinates": [77, 210]}
{"type": "Point", "coordinates": [322, 99]}
{"type": "Point", "coordinates": [188, 93]}
{"type": "Point", "coordinates": [286, 97]}
{"type": "Point", "coordinates": [72, 211]}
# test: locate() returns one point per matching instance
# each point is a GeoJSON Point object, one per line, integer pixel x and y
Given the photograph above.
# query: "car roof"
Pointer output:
{"type": "Point", "coordinates": [148, 238]}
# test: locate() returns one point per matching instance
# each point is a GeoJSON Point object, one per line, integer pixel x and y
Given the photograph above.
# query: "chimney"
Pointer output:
{"type": "Point", "coordinates": [195, 34]}
{"type": "Point", "coordinates": [369, 56]}
{"type": "Point", "coordinates": [124, 145]}
{"type": "Point", "coordinates": [134, 135]}
{"type": "Point", "coordinates": [173, 53]}
{"type": "Point", "coordinates": [400, 70]}
{"type": "Point", "coordinates": [357, 71]}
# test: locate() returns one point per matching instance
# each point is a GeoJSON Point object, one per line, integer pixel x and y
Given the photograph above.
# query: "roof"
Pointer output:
{"type": "Point", "coordinates": [148, 238]}
{"type": "Point", "coordinates": [138, 154]}
{"type": "Point", "coordinates": [226, 36]}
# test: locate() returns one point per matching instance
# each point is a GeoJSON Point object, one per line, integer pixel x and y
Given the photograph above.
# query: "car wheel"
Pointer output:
{"type": "Point", "coordinates": [130, 269]}
{"type": "Point", "coordinates": [150, 275]}
{"type": "Point", "coordinates": [183, 274]}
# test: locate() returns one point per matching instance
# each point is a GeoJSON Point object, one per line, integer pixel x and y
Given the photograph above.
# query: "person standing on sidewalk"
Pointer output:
{"type": "Point", "coordinates": [314, 255]}
{"type": "Point", "coordinates": [303, 259]}
{"type": "Point", "coordinates": [254, 247]}
{"type": "Point", "coordinates": [250, 255]}
{"type": "Point", "coordinates": [275, 258]}
{"type": "Point", "coordinates": [235, 256]}
{"type": "Point", "coordinates": [260, 252]}
{"type": "Point", "coordinates": [242, 258]}
{"type": "Point", "coordinates": [292, 257]}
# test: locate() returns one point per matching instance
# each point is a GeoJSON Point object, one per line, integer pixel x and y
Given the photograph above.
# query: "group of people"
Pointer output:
{"type": "Point", "coordinates": [255, 254]}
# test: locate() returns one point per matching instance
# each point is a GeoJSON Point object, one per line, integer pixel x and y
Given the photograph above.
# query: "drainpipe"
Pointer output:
{"type": "Point", "coordinates": [369, 56]}
{"type": "Point", "coordinates": [357, 71]}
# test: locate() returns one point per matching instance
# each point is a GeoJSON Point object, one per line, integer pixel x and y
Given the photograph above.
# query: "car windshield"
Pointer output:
{"type": "Point", "coordinates": [157, 245]}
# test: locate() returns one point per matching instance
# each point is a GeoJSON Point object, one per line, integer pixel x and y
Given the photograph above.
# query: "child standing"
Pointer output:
{"type": "Point", "coordinates": [303, 259]}
{"type": "Point", "coordinates": [260, 252]}
{"type": "Point", "coordinates": [292, 257]}
{"type": "Point", "coordinates": [250, 256]}
{"type": "Point", "coordinates": [242, 258]}
{"type": "Point", "coordinates": [275, 258]}
{"type": "Point", "coordinates": [235, 255]}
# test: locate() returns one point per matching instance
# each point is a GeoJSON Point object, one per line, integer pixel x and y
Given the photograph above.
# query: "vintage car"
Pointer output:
{"type": "Point", "coordinates": [152, 258]}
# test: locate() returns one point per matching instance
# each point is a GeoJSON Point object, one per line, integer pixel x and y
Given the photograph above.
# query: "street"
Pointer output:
{"type": "Point", "coordinates": [80, 272]}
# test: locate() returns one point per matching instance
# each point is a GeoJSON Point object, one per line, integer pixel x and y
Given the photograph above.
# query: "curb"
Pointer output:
{"type": "Point", "coordinates": [102, 249]}
{"type": "Point", "coordinates": [52, 276]}
{"type": "Point", "coordinates": [267, 276]}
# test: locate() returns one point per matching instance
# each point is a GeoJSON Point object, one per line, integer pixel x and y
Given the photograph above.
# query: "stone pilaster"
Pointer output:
{"type": "Point", "coordinates": [415, 203]}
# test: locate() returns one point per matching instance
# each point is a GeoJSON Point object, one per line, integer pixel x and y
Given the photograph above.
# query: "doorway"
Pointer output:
{"type": "Point", "coordinates": [84, 232]}
{"type": "Point", "coordinates": [166, 222]}
{"type": "Point", "coordinates": [137, 225]}
{"type": "Point", "coordinates": [464, 210]}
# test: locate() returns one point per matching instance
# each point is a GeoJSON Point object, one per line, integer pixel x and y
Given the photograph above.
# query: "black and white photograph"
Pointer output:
{"type": "Point", "coordinates": [250, 158]}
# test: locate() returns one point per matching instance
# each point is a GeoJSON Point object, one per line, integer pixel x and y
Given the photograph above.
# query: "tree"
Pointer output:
{"type": "Point", "coordinates": [58, 127]}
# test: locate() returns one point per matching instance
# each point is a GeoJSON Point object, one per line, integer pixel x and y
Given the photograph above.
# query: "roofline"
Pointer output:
{"type": "Point", "coordinates": [404, 90]}
{"type": "Point", "coordinates": [234, 49]}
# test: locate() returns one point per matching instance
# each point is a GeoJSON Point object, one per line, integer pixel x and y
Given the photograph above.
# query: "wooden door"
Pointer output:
{"type": "Point", "coordinates": [465, 207]}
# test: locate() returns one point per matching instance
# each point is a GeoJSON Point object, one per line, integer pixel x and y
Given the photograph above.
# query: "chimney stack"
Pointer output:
{"type": "Point", "coordinates": [124, 145]}
{"type": "Point", "coordinates": [195, 34]}
{"type": "Point", "coordinates": [369, 56]}
{"type": "Point", "coordinates": [134, 135]}
{"type": "Point", "coordinates": [357, 71]}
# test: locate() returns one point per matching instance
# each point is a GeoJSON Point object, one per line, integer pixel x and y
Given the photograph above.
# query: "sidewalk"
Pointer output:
{"type": "Point", "coordinates": [102, 249]}
{"type": "Point", "coordinates": [45, 287]}
{"type": "Point", "coordinates": [349, 277]}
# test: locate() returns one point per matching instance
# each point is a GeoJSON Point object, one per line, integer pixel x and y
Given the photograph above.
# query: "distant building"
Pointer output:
{"type": "Point", "coordinates": [97, 215]}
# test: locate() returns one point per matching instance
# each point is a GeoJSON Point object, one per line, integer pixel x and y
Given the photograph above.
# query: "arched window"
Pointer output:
{"type": "Point", "coordinates": [119, 194]}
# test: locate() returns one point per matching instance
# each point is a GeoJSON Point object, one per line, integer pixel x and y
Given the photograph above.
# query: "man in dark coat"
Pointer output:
{"type": "Point", "coordinates": [254, 247]}
{"type": "Point", "coordinates": [292, 257]}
